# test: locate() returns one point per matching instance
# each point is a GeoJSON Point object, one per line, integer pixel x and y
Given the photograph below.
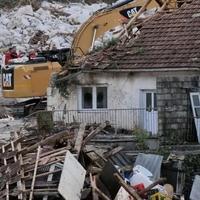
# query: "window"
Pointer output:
{"type": "Point", "coordinates": [151, 101]}
{"type": "Point", "coordinates": [101, 97]}
{"type": "Point", "coordinates": [94, 97]}
{"type": "Point", "coordinates": [87, 97]}
{"type": "Point", "coordinates": [195, 100]}
{"type": "Point", "coordinates": [148, 102]}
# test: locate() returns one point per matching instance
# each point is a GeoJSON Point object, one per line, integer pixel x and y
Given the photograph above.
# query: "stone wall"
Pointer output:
{"type": "Point", "coordinates": [175, 123]}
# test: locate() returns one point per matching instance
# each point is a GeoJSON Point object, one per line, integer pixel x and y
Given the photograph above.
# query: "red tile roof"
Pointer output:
{"type": "Point", "coordinates": [166, 41]}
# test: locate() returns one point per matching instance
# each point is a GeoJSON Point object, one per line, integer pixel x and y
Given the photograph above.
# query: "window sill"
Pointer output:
{"type": "Point", "coordinates": [93, 110]}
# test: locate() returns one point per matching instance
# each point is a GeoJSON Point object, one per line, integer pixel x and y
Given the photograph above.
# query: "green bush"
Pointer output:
{"type": "Point", "coordinates": [141, 137]}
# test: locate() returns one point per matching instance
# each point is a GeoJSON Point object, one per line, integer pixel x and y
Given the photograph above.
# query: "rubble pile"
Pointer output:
{"type": "Point", "coordinates": [62, 165]}
{"type": "Point", "coordinates": [56, 21]}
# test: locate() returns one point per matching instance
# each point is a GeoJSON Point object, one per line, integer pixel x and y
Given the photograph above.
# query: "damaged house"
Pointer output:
{"type": "Point", "coordinates": [151, 82]}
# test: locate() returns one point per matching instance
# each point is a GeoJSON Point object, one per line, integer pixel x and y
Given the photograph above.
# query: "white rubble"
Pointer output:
{"type": "Point", "coordinates": [56, 20]}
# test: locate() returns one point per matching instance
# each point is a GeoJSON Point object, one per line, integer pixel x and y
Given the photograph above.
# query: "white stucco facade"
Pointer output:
{"type": "Point", "coordinates": [123, 98]}
{"type": "Point", "coordinates": [124, 90]}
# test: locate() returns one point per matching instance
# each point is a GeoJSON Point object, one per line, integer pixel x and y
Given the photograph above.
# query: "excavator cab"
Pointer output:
{"type": "Point", "coordinates": [62, 56]}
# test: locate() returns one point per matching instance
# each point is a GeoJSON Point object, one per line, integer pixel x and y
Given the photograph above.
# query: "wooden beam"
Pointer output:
{"type": "Point", "coordinates": [93, 134]}
{"type": "Point", "coordinates": [129, 189]}
{"type": "Point", "coordinates": [47, 164]}
{"type": "Point", "coordinates": [43, 174]}
{"type": "Point", "coordinates": [34, 174]}
{"type": "Point", "coordinates": [142, 9]}
{"type": "Point", "coordinates": [20, 158]}
{"type": "Point", "coordinates": [161, 180]}
{"type": "Point", "coordinates": [7, 184]}
{"type": "Point", "coordinates": [97, 190]}
{"type": "Point", "coordinates": [19, 183]}
{"type": "Point", "coordinates": [45, 160]}
{"type": "Point", "coordinates": [48, 140]}
{"type": "Point", "coordinates": [79, 139]}
{"type": "Point", "coordinates": [113, 152]}
{"type": "Point", "coordinates": [164, 5]}
{"type": "Point", "coordinates": [50, 177]}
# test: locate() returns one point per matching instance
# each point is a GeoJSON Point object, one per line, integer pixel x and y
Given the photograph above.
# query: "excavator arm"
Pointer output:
{"type": "Point", "coordinates": [107, 19]}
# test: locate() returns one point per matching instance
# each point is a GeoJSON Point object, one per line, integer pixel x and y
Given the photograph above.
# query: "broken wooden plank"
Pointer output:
{"type": "Point", "coordinates": [96, 189]}
{"type": "Point", "coordinates": [164, 5]}
{"type": "Point", "coordinates": [30, 169]}
{"type": "Point", "coordinates": [134, 18]}
{"type": "Point", "coordinates": [8, 145]}
{"type": "Point", "coordinates": [50, 139]}
{"type": "Point", "coordinates": [43, 192]}
{"type": "Point", "coordinates": [14, 179]}
{"type": "Point", "coordinates": [113, 152]}
{"type": "Point", "coordinates": [11, 169]}
{"type": "Point", "coordinates": [79, 139]}
{"type": "Point", "coordinates": [35, 171]}
{"type": "Point", "coordinates": [42, 175]}
{"type": "Point", "coordinates": [129, 189]}
{"type": "Point", "coordinates": [93, 133]}
{"type": "Point", "coordinates": [46, 159]}
{"type": "Point", "coordinates": [159, 181]}
{"type": "Point", "coordinates": [7, 184]}
{"type": "Point", "coordinates": [8, 154]}
{"type": "Point", "coordinates": [50, 177]}
{"type": "Point", "coordinates": [19, 184]}
{"type": "Point", "coordinates": [20, 158]}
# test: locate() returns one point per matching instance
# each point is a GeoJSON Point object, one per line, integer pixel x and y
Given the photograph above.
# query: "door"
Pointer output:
{"type": "Point", "coordinates": [149, 111]}
{"type": "Point", "coordinates": [195, 102]}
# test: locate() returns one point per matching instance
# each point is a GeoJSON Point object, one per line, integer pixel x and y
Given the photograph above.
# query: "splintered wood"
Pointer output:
{"type": "Point", "coordinates": [24, 169]}
{"type": "Point", "coordinates": [61, 166]}
{"type": "Point", "coordinates": [31, 165]}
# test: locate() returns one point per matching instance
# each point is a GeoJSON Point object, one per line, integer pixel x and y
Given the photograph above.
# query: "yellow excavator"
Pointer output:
{"type": "Point", "coordinates": [31, 79]}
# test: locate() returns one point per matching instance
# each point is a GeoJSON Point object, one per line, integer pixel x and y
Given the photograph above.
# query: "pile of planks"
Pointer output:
{"type": "Point", "coordinates": [31, 165]}
{"type": "Point", "coordinates": [60, 166]}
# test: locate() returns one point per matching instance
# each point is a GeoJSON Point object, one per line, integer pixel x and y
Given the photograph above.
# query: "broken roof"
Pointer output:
{"type": "Point", "coordinates": [166, 41]}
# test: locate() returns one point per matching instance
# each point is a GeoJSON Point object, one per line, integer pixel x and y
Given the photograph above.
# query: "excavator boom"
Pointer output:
{"type": "Point", "coordinates": [107, 19]}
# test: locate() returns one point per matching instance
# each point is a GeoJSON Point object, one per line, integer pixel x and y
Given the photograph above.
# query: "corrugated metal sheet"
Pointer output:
{"type": "Point", "coordinates": [151, 162]}
{"type": "Point", "coordinates": [121, 160]}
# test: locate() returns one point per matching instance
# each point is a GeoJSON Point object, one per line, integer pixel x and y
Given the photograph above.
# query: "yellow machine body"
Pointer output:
{"type": "Point", "coordinates": [28, 80]}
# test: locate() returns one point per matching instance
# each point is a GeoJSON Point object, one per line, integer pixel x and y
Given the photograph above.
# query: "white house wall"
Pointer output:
{"type": "Point", "coordinates": [123, 93]}
{"type": "Point", "coordinates": [123, 90]}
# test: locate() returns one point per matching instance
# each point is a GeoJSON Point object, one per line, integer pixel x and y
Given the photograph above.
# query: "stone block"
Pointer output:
{"type": "Point", "coordinates": [176, 84]}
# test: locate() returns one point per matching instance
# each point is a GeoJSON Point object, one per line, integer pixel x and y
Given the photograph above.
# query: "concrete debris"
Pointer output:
{"type": "Point", "coordinates": [58, 21]}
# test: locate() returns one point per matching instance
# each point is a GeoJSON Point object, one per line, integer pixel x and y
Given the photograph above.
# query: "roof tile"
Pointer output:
{"type": "Point", "coordinates": [168, 41]}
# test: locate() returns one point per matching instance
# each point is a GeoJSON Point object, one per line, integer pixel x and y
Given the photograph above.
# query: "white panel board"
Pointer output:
{"type": "Point", "coordinates": [195, 101]}
{"type": "Point", "coordinates": [195, 193]}
{"type": "Point", "coordinates": [72, 178]}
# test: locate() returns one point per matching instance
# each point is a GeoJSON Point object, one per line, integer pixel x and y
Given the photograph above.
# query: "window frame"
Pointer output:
{"type": "Point", "coordinates": [194, 107]}
{"type": "Point", "coordinates": [94, 97]}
